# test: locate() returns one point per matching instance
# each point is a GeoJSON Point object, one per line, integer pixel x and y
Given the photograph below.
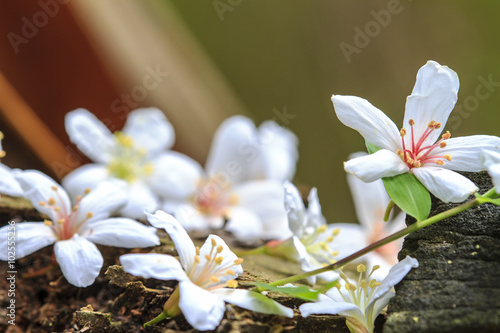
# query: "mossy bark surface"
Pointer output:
{"type": "Point", "coordinates": [456, 287]}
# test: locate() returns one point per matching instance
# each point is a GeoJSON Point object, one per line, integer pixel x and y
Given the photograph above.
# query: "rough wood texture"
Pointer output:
{"type": "Point", "coordinates": [456, 287]}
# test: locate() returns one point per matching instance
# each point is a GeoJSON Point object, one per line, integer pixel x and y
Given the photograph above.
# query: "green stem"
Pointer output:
{"type": "Point", "coordinates": [388, 210]}
{"type": "Point", "coordinates": [156, 320]}
{"type": "Point", "coordinates": [259, 250]}
{"type": "Point", "coordinates": [411, 228]}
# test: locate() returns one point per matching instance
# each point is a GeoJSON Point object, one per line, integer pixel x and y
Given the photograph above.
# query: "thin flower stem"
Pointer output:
{"type": "Point", "coordinates": [388, 210]}
{"type": "Point", "coordinates": [411, 228]}
{"type": "Point", "coordinates": [258, 250]}
{"type": "Point", "coordinates": [156, 320]}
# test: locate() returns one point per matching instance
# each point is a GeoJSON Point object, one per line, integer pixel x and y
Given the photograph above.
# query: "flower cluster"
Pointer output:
{"type": "Point", "coordinates": [245, 188]}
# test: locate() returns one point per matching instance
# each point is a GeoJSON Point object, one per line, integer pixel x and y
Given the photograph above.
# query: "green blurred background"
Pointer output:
{"type": "Point", "coordinates": [284, 53]}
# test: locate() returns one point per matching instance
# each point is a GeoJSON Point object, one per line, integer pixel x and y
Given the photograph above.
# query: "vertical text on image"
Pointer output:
{"type": "Point", "coordinates": [11, 271]}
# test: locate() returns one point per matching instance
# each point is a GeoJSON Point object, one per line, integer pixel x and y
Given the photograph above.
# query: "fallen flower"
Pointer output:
{"type": "Point", "coordinates": [134, 154]}
{"type": "Point", "coordinates": [202, 274]}
{"type": "Point", "coordinates": [241, 184]}
{"type": "Point", "coordinates": [362, 302]}
{"type": "Point", "coordinates": [418, 149]}
{"type": "Point", "coordinates": [75, 229]}
{"type": "Point", "coordinates": [8, 184]}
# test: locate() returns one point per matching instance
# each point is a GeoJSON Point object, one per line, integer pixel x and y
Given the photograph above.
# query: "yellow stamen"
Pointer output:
{"type": "Point", "coordinates": [374, 268]}
{"type": "Point", "coordinates": [431, 124]}
{"type": "Point", "coordinates": [42, 203]}
{"type": "Point", "coordinates": [350, 286]}
{"type": "Point", "coordinates": [335, 232]}
{"type": "Point", "coordinates": [329, 239]}
{"type": "Point", "coordinates": [361, 268]}
{"type": "Point", "coordinates": [197, 250]}
{"type": "Point", "coordinates": [402, 132]}
{"type": "Point", "coordinates": [448, 157]}
{"type": "Point", "coordinates": [411, 122]}
{"type": "Point", "coordinates": [54, 188]}
{"type": "Point", "coordinates": [87, 191]}
{"type": "Point", "coordinates": [207, 257]}
{"type": "Point", "coordinates": [374, 283]}
{"type": "Point", "coordinates": [324, 246]}
{"type": "Point", "coordinates": [56, 209]}
{"type": "Point", "coordinates": [442, 144]}
{"type": "Point", "coordinates": [89, 215]}
{"type": "Point", "coordinates": [219, 249]}
{"type": "Point", "coordinates": [363, 284]}
{"type": "Point", "coordinates": [75, 208]}
{"type": "Point", "coordinates": [214, 243]}
{"type": "Point", "coordinates": [230, 272]}
{"type": "Point", "coordinates": [47, 222]}
{"type": "Point", "coordinates": [197, 259]}
{"type": "Point", "coordinates": [149, 169]}
{"type": "Point", "coordinates": [60, 221]}
{"type": "Point", "coordinates": [52, 201]}
{"type": "Point", "coordinates": [2, 153]}
{"type": "Point", "coordinates": [78, 198]}
{"type": "Point", "coordinates": [439, 162]}
{"type": "Point", "coordinates": [214, 279]}
{"type": "Point", "coordinates": [232, 283]}
{"type": "Point", "coordinates": [446, 135]}
{"type": "Point", "coordinates": [334, 253]}
{"type": "Point", "coordinates": [238, 261]}
{"type": "Point", "coordinates": [321, 229]}
{"type": "Point", "coordinates": [219, 260]}
{"type": "Point", "coordinates": [437, 125]}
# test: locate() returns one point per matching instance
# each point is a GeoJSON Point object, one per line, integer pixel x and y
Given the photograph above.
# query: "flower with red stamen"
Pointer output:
{"type": "Point", "coordinates": [419, 149]}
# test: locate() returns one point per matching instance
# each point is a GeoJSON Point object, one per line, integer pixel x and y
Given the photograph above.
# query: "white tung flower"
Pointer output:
{"type": "Point", "coordinates": [75, 228]}
{"type": "Point", "coordinates": [418, 147]}
{"type": "Point", "coordinates": [8, 184]}
{"type": "Point", "coordinates": [203, 273]}
{"type": "Point", "coordinates": [135, 154]}
{"type": "Point", "coordinates": [242, 181]}
{"type": "Point", "coordinates": [360, 303]}
{"type": "Point", "coordinates": [314, 243]}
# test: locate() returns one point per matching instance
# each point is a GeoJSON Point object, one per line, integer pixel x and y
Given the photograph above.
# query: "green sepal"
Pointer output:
{"type": "Point", "coordinates": [301, 292]}
{"type": "Point", "coordinates": [407, 192]}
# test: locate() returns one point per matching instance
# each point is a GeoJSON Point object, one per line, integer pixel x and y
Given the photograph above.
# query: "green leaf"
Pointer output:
{"type": "Point", "coordinates": [301, 292]}
{"type": "Point", "coordinates": [407, 192]}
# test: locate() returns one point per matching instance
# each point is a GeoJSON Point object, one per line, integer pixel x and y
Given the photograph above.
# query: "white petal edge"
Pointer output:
{"type": "Point", "coordinates": [202, 309]}
{"type": "Point", "coordinates": [29, 237]}
{"type": "Point", "coordinates": [383, 163]}
{"type": "Point", "coordinates": [327, 307]}
{"type": "Point", "coordinates": [84, 177]}
{"type": "Point", "coordinates": [446, 185]}
{"type": "Point", "coordinates": [433, 98]}
{"type": "Point", "coordinates": [253, 301]}
{"type": "Point", "coordinates": [140, 198]}
{"type": "Point", "coordinates": [153, 265]}
{"type": "Point", "coordinates": [150, 129]}
{"type": "Point", "coordinates": [9, 184]}
{"type": "Point", "coordinates": [120, 232]}
{"type": "Point", "coordinates": [89, 135]}
{"type": "Point", "coordinates": [491, 161]}
{"type": "Point", "coordinates": [183, 243]}
{"type": "Point", "coordinates": [245, 225]}
{"type": "Point", "coordinates": [465, 151]}
{"type": "Point", "coordinates": [79, 259]}
{"type": "Point", "coordinates": [360, 115]}
{"type": "Point", "coordinates": [295, 209]}
{"type": "Point", "coordinates": [38, 187]}
{"type": "Point", "coordinates": [107, 198]}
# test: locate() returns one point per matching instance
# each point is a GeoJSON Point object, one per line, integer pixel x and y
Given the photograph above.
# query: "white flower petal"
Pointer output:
{"type": "Point", "coordinates": [102, 201]}
{"type": "Point", "coordinates": [9, 184]}
{"type": "Point", "coordinates": [183, 243]}
{"type": "Point", "coordinates": [120, 232]}
{"type": "Point", "coordinates": [253, 301]}
{"type": "Point", "coordinates": [350, 239]}
{"type": "Point", "coordinates": [279, 151]}
{"type": "Point", "coordinates": [491, 160]}
{"type": "Point", "coordinates": [396, 274]}
{"type": "Point", "coordinates": [382, 302]}
{"type": "Point", "coordinates": [202, 309]}
{"type": "Point", "coordinates": [327, 307]}
{"type": "Point", "coordinates": [465, 151]}
{"type": "Point", "coordinates": [79, 259]}
{"type": "Point", "coordinates": [30, 237]}
{"type": "Point", "coordinates": [208, 250]}
{"type": "Point", "coordinates": [90, 135]}
{"type": "Point", "coordinates": [140, 198]}
{"type": "Point", "coordinates": [265, 199]}
{"type": "Point", "coordinates": [38, 188]}
{"type": "Point", "coordinates": [175, 176]}
{"type": "Point", "coordinates": [295, 209]}
{"type": "Point", "coordinates": [370, 200]}
{"type": "Point", "coordinates": [235, 151]}
{"type": "Point", "coordinates": [190, 218]}
{"type": "Point", "coordinates": [315, 217]}
{"type": "Point", "coordinates": [358, 114]}
{"type": "Point", "coordinates": [291, 249]}
{"type": "Point", "coordinates": [446, 185]}
{"type": "Point", "coordinates": [383, 163]}
{"type": "Point", "coordinates": [153, 265]}
{"type": "Point", "coordinates": [245, 225]}
{"type": "Point", "coordinates": [150, 129]}
{"type": "Point", "coordinates": [432, 98]}
{"type": "Point", "coordinates": [84, 177]}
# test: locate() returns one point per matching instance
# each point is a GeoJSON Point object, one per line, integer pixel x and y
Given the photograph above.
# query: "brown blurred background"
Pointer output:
{"type": "Point", "coordinates": [213, 59]}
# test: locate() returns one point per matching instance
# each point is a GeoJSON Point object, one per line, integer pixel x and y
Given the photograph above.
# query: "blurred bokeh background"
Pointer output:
{"type": "Point", "coordinates": [203, 61]}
